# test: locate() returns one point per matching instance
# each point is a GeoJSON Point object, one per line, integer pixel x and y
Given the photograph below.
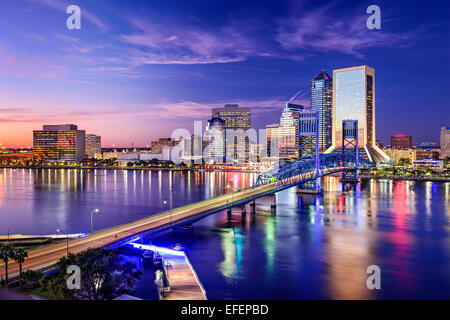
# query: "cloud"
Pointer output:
{"type": "Point", "coordinates": [323, 30]}
{"type": "Point", "coordinates": [155, 43]}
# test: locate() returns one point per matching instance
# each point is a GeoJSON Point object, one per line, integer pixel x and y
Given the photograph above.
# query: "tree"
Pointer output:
{"type": "Point", "coordinates": [32, 278]}
{"type": "Point", "coordinates": [6, 253]}
{"type": "Point", "coordinates": [404, 161]}
{"type": "Point", "coordinates": [103, 276]}
{"type": "Point", "coordinates": [19, 256]}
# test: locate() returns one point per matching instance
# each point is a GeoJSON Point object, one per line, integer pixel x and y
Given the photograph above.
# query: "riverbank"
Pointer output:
{"type": "Point", "coordinates": [407, 178]}
{"type": "Point", "coordinates": [129, 168]}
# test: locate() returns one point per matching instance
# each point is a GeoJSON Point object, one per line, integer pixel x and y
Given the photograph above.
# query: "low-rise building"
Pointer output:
{"type": "Point", "coordinates": [157, 146]}
{"type": "Point", "coordinates": [397, 155]}
{"type": "Point", "coordinates": [15, 157]}
{"type": "Point", "coordinates": [429, 164]}
{"type": "Point", "coordinates": [123, 159]}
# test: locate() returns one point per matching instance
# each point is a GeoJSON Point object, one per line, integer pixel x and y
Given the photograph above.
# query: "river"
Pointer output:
{"type": "Point", "coordinates": [314, 247]}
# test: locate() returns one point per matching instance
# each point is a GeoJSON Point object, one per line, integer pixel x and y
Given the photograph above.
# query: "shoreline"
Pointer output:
{"type": "Point", "coordinates": [402, 178]}
{"type": "Point", "coordinates": [128, 168]}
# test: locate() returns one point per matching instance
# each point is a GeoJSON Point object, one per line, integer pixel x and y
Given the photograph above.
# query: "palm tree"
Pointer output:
{"type": "Point", "coordinates": [20, 256]}
{"type": "Point", "coordinates": [6, 252]}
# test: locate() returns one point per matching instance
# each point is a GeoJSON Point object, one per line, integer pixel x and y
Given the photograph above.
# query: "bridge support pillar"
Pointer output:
{"type": "Point", "coordinates": [273, 204]}
{"type": "Point", "coordinates": [253, 207]}
{"type": "Point", "coordinates": [229, 215]}
{"type": "Point", "coordinates": [243, 210]}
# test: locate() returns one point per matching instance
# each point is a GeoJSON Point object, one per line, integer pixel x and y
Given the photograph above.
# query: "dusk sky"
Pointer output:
{"type": "Point", "coordinates": [139, 69]}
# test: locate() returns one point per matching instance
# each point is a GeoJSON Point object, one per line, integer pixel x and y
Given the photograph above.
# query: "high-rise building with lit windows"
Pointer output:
{"type": "Point", "coordinates": [288, 134]}
{"type": "Point", "coordinates": [215, 139]}
{"type": "Point", "coordinates": [93, 146]}
{"type": "Point", "coordinates": [445, 142]}
{"type": "Point", "coordinates": [237, 120]}
{"type": "Point", "coordinates": [59, 143]}
{"type": "Point", "coordinates": [235, 117]}
{"type": "Point", "coordinates": [272, 136]}
{"type": "Point", "coordinates": [322, 101]}
{"type": "Point", "coordinates": [354, 99]}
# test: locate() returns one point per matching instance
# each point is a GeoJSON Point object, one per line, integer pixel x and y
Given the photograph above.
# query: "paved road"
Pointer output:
{"type": "Point", "coordinates": [48, 255]}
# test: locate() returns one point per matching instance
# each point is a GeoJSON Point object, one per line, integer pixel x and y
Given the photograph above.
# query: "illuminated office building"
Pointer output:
{"type": "Point", "coordinates": [93, 146]}
{"type": "Point", "coordinates": [215, 139]}
{"type": "Point", "coordinates": [237, 120]}
{"type": "Point", "coordinates": [272, 135]}
{"type": "Point", "coordinates": [235, 117]}
{"type": "Point", "coordinates": [322, 101]}
{"type": "Point", "coordinates": [288, 134]}
{"type": "Point", "coordinates": [354, 99]}
{"type": "Point", "coordinates": [59, 143]}
{"type": "Point", "coordinates": [445, 142]}
{"type": "Point", "coordinates": [401, 142]}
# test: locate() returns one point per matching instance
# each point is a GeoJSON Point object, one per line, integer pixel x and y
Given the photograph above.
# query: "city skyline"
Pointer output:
{"type": "Point", "coordinates": [124, 70]}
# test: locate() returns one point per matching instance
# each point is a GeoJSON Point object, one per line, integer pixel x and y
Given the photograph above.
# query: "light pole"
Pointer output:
{"type": "Point", "coordinates": [170, 206]}
{"type": "Point", "coordinates": [67, 240]}
{"type": "Point", "coordinates": [92, 221]}
{"type": "Point", "coordinates": [232, 192]}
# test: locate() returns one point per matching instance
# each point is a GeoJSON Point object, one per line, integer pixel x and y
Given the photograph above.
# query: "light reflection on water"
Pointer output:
{"type": "Point", "coordinates": [314, 247]}
{"type": "Point", "coordinates": [320, 247]}
{"type": "Point", "coordinates": [42, 200]}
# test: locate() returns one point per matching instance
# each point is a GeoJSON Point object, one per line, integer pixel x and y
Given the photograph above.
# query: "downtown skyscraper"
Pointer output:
{"type": "Point", "coordinates": [236, 119]}
{"type": "Point", "coordinates": [322, 101]}
{"type": "Point", "coordinates": [354, 99]}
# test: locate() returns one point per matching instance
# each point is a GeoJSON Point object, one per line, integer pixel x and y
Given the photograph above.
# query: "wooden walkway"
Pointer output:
{"type": "Point", "coordinates": [183, 280]}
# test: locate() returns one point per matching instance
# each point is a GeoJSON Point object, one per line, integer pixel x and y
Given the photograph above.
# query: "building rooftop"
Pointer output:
{"type": "Point", "coordinates": [322, 76]}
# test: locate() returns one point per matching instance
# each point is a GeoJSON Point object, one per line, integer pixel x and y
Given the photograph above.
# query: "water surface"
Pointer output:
{"type": "Point", "coordinates": [314, 247]}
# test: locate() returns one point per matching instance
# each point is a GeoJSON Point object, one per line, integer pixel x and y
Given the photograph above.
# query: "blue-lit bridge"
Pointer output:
{"type": "Point", "coordinates": [267, 184]}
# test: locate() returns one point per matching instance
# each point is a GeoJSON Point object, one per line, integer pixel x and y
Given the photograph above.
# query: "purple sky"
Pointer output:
{"type": "Point", "coordinates": [139, 69]}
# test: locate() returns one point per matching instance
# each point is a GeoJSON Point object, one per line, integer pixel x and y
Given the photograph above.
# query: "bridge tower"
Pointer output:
{"type": "Point", "coordinates": [350, 148]}
{"type": "Point", "coordinates": [308, 146]}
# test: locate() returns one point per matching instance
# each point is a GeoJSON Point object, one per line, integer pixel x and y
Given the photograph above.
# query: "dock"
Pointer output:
{"type": "Point", "coordinates": [180, 279]}
{"type": "Point", "coordinates": [183, 280]}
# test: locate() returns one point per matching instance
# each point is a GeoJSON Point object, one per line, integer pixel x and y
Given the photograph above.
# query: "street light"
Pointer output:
{"type": "Point", "coordinates": [232, 192]}
{"type": "Point", "coordinates": [92, 214]}
{"type": "Point", "coordinates": [170, 206]}
{"type": "Point", "coordinates": [67, 240]}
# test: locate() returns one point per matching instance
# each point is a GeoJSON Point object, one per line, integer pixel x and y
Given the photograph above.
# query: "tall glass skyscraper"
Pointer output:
{"type": "Point", "coordinates": [354, 99]}
{"type": "Point", "coordinates": [322, 101]}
